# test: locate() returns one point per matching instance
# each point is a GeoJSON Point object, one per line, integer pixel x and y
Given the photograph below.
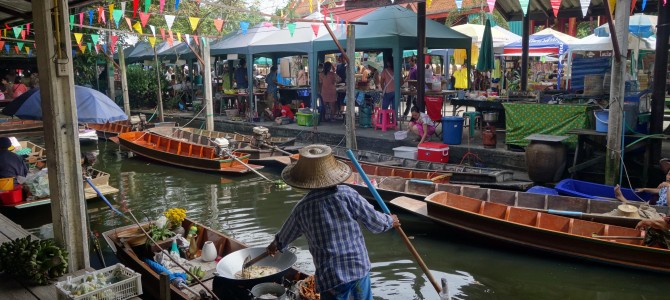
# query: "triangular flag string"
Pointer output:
{"type": "Point", "coordinates": [138, 27]}
{"type": "Point", "coordinates": [111, 12]}
{"type": "Point", "coordinates": [144, 18]}
{"type": "Point", "coordinates": [136, 6]}
{"type": "Point", "coordinates": [161, 5]}
{"type": "Point", "coordinates": [130, 24]}
{"type": "Point", "coordinates": [585, 6]}
{"type": "Point", "coordinates": [162, 33]}
{"type": "Point", "coordinates": [218, 24]}
{"type": "Point", "coordinates": [71, 22]}
{"type": "Point", "coordinates": [123, 8]}
{"type": "Point", "coordinates": [77, 37]}
{"type": "Point", "coordinates": [147, 5]}
{"type": "Point", "coordinates": [187, 38]}
{"type": "Point", "coordinates": [459, 4]}
{"type": "Point", "coordinates": [153, 30]}
{"type": "Point", "coordinates": [194, 22]}
{"type": "Point", "coordinates": [152, 41]}
{"type": "Point", "coordinates": [491, 4]}
{"type": "Point", "coordinates": [94, 38]}
{"type": "Point", "coordinates": [315, 29]}
{"type": "Point", "coordinates": [244, 26]}
{"type": "Point", "coordinates": [81, 19]}
{"type": "Point", "coordinates": [555, 6]}
{"type": "Point", "coordinates": [195, 39]}
{"type": "Point", "coordinates": [117, 17]}
{"type": "Point", "coordinates": [169, 20]}
{"type": "Point", "coordinates": [612, 6]}
{"type": "Point", "coordinates": [524, 6]}
{"type": "Point", "coordinates": [23, 34]}
{"type": "Point", "coordinates": [90, 18]}
{"type": "Point", "coordinates": [291, 28]}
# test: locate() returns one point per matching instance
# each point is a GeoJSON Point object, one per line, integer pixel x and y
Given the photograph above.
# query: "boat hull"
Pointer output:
{"type": "Point", "coordinates": [13, 127]}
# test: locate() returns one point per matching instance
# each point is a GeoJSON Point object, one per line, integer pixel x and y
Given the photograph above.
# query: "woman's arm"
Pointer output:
{"type": "Point", "coordinates": [425, 132]}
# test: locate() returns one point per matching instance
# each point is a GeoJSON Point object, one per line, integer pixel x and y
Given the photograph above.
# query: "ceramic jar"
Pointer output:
{"type": "Point", "coordinates": [208, 251]}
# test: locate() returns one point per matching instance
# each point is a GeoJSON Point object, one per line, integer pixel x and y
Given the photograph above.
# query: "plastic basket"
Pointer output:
{"type": "Point", "coordinates": [307, 119]}
{"type": "Point", "coordinates": [400, 135]}
{"type": "Point", "coordinates": [6, 184]}
{"type": "Point", "coordinates": [129, 285]}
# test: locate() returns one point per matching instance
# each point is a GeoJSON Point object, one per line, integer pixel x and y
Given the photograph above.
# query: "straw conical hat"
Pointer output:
{"type": "Point", "coordinates": [317, 168]}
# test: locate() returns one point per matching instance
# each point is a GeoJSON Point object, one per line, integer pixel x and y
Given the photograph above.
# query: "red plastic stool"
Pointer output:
{"type": "Point", "coordinates": [375, 117]}
{"type": "Point", "coordinates": [385, 119]}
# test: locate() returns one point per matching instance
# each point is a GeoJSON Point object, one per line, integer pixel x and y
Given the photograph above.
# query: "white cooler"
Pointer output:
{"type": "Point", "coordinates": [406, 152]}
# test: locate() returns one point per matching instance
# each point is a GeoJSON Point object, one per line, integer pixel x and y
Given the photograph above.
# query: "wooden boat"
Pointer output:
{"type": "Point", "coordinates": [16, 126]}
{"type": "Point", "coordinates": [460, 174]}
{"type": "Point", "coordinates": [540, 231]}
{"type": "Point", "coordinates": [239, 142]}
{"type": "Point", "coordinates": [36, 154]}
{"type": "Point", "coordinates": [591, 190]}
{"type": "Point", "coordinates": [132, 256]}
{"type": "Point", "coordinates": [390, 187]}
{"type": "Point", "coordinates": [184, 154]}
{"type": "Point", "coordinates": [99, 178]}
{"type": "Point", "coordinates": [108, 130]}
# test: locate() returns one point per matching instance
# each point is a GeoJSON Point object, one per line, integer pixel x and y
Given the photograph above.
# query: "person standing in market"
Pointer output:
{"type": "Point", "coordinates": [341, 72]}
{"type": "Point", "coordinates": [388, 85]}
{"type": "Point", "coordinates": [11, 165]}
{"type": "Point", "coordinates": [329, 216]}
{"type": "Point", "coordinates": [327, 82]}
{"type": "Point", "coordinates": [241, 77]}
{"type": "Point", "coordinates": [411, 100]}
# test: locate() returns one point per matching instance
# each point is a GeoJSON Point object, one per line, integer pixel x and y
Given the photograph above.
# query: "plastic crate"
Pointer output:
{"type": "Point", "coordinates": [307, 119]}
{"type": "Point", "coordinates": [12, 196]}
{"type": "Point", "coordinates": [129, 285]}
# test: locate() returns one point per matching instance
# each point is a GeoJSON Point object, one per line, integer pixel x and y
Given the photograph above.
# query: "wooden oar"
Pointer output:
{"type": "Point", "coordinates": [381, 203]}
{"type": "Point", "coordinates": [244, 164]}
{"type": "Point", "coordinates": [617, 237]}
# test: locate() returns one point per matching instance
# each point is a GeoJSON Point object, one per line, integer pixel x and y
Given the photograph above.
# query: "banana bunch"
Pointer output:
{"type": "Point", "coordinates": [38, 260]}
{"type": "Point", "coordinates": [197, 271]}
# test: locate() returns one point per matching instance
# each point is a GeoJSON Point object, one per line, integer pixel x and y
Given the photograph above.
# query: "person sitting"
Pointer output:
{"type": "Point", "coordinates": [421, 124]}
{"type": "Point", "coordinates": [18, 88]}
{"type": "Point", "coordinates": [11, 165]}
{"type": "Point", "coordinates": [661, 190]}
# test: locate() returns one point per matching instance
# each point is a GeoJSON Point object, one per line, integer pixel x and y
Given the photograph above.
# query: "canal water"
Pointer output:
{"type": "Point", "coordinates": [251, 210]}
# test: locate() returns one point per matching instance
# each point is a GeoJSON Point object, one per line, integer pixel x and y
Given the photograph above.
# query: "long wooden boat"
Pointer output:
{"type": "Point", "coordinates": [120, 241]}
{"type": "Point", "coordinates": [184, 154]}
{"type": "Point", "coordinates": [461, 174]}
{"type": "Point", "coordinates": [99, 178]}
{"type": "Point", "coordinates": [540, 231]}
{"type": "Point", "coordinates": [108, 130]}
{"type": "Point", "coordinates": [37, 153]}
{"type": "Point", "coordinates": [17, 126]}
{"type": "Point", "coordinates": [239, 142]}
{"type": "Point", "coordinates": [390, 187]}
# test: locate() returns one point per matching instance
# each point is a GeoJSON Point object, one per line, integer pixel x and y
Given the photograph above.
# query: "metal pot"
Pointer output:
{"type": "Point", "coordinates": [490, 117]}
{"type": "Point", "coordinates": [232, 263]}
{"type": "Point", "coordinates": [278, 290]}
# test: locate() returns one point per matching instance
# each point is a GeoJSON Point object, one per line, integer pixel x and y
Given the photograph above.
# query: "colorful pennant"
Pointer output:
{"type": "Point", "coordinates": [77, 37]}
{"type": "Point", "coordinates": [81, 19]}
{"type": "Point", "coordinates": [244, 26]}
{"type": "Point", "coordinates": [218, 24]}
{"type": "Point", "coordinates": [291, 28]}
{"type": "Point", "coordinates": [94, 38]}
{"type": "Point", "coordinates": [90, 18]}
{"type": "Point", "coordinates": [585, 6]}
{"type": "Point", "coordinates": [152, 41]}
{"type": "Point", "coordinates": [491, 4]}
{"type": "Point", "coordinates": [147, 4]}
{"type": "Point", "coordinates": [555, 6]}
{"type": "Point", "coordinates": [111, 12]}
{"type": "Point", "coordinates": [136, 6]}
{"type": "Point", "coordinates": [116, 15]}
{"type": "Point", "coordinates": [315, 29]}
{"type": "Point", "coordinates": [130, 24]}
{"type": "Point", "coordinates": [524, 6]}
{"type": "Point", "coordinates": [153, 30]}
{"type": "Point", "coordinates": [71, 23]}
{"type": "Point", "coordinates": [23, 34]}
{"type": "Point", "coordinates": [194, 22]}
{"type": "Point", "coordinates": [138, 27]}
{"type": "Point", "coordinates": [169, 20]}
{"type": "Point", "coordinates": [144, 17]}
{"type": "Point", "coordinates": [459, 4]}
{"type": "Point", "coordinates": [112, 45]}
{"type": "Point", "coordinates": [187, 39]}
{"type": "Point", "coordinates": [612, 6]}
{"type": "Point", "coordinates": [161, 5]}
{"type": "Point", "coordinates": [162, 33]}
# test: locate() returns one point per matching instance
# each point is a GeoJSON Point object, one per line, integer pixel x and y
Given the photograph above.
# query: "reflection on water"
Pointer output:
{"type": "Point", "coordinates": [252, 210]}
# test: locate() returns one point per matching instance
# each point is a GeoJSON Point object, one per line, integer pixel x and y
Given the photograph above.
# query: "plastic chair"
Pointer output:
{"type": "Point", "coordinates": [473, 117]}
{"type": "Point", "coordinates": [385, 119]}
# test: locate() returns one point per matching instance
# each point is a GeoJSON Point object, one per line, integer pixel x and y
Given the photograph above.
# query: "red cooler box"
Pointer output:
{"type": "Point", "coordinates": [435, 152]}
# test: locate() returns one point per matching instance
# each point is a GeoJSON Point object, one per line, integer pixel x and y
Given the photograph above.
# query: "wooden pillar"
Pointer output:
{"type": "Point", "coordinates": [420, 47]}
{"type": "Point", "coordinates": [660, 78]}
{"type": "Point", "coordinates": [207, 83]}
{"type": "Point", "coordinates": [351, 85]}
{"type": "Point", "coordinates": [615, 123]}
{"type": "Point", "coordinates": [111, 91]}
{"type": "Point", "coordinates": [61, 136]}
{"type": "Point", "coordinates": [525, 38]}
{"type": "Point", "coordinates": [572, 26]}
{"type": "Point", "coordinates": [124, 81]}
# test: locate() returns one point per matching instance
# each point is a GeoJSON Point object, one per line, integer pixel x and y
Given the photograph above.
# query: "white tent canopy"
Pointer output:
{"type": "Point", "coordinates": [597, 43]}
{"type": "Point", "coordinates": [501, 36]}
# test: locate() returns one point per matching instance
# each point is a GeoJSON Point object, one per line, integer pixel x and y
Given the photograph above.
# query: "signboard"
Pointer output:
{"type": "Point", "coordinates": [356, 4]}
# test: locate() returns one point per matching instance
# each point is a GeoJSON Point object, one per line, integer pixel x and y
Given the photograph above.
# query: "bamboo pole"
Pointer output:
{"type": "Point", "coordinates": [351, 93]}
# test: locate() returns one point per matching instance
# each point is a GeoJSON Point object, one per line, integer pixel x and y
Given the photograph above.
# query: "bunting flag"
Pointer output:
{"type": "Point", "coordinates": [27, 28]}
{"type": "Point", "coordinates": [632, 6]}
{"type": "Point", "coordinates": [492, 5]}
{"type": "Point", "coordinates": [524, 6]}
{"type": "Point", "coordinates": [16, 48]}
{"type": "Point", "coordinates": [267, 24]}
{"type": "Point", "coordinates": [612, 5]}
{"type": "Point", "coordinates": [97, 49]}
{"type": "Point", "coordinates": [176, 5]}
{"type": "Point", "coordinates": [101, 15]}
{"type": "Point", "coordinates": [187, 39]}
{"type": "Point", "coordinates": [94, 38]}
{"type": "Point", "coordinates": [111, 12]}
{"type": "Point", "coordinates": [152, 41]}
{"type": "Point", "coordinates": [90, 18]}
{"type": "Point", "coordinates": [195, 39]}
{"type": "Point", "coordinates": [2, 44]}
{"type": "Point", "coordinates": [161, 4]}
{"type": "Point", "coordinates": [77, 37]}
{"type": "Point", "coordinates": [428, 3]}
{"type": "Point", "coordinates": [204, 41]}
{"type": "Point", "coordinates": [7, 48]}
{"type": "Point", "coordinates": [169, 20]}
{"type": "Point", "coordinates": [153, 30]}
{"type": "Point", "coordinates": [90, 46]}
{"type": "Point", "coordinates": [644, 4]}
{"type": "Point", "coordinates": [585, 6]}
{"type": "Point", "coordinates": [71, 23]}
{"type": "Point", "coordinates": [28, 51]}
{"type": "Point", "coordinates": [179, 37]}
{"type": "Point", "coordinates": [117, 17]}
{"type": "Point", "coordinates": [315, 28]}
{"type": "Point", "coordinates": [291, 28]}
{"type": "Point", "coordinates": [144, 17]}
{"type": "Point", "coordinates": [244, 26]}
{"type": "Point", "coordinates": [112, 45]}
{"type": "Point", "coordinates": [138, 27]}
{"type": "Point", "coordinates": [81, 19]}
{"type": "Point", "coordinates": [311, 9]}
{"type": "Point", "coordinates": [147, 4]}
{"type": "Point", "coordinates": [104, 48]}
{"type": "Point", "coordinates": [23, 34]}
{"type": "Point", "coordinates": [459, 4]}
{"type": "Point", "coordinates": [331, 21]}
{"type": "Point", "coordinates": [218, 24]}
{"type": "Point", "coordinates": [82, 48]}
{"type": "Point", "coordinates": [19, 46]}
{"type": "Point", "coordinates": [123, 7]}
{"type": "Point", "coordinates": [130, 24]}
{"type": "Point", "coordinates": [136, 6]}
{"type": "Point", "coordinates": [194, 22]}
{"type": "Point", "coordinates": [162, 33]}
{"type": "Point", "coordinates": [555, 6]}
{"type": "Point", "coordinates": [170, 39]}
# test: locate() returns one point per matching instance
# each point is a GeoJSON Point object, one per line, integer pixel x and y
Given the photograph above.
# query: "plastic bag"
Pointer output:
{"type": "Point", "coordinates": [38, 183]}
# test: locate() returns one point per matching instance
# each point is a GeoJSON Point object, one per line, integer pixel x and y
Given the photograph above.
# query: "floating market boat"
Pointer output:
{"type": "Point", "coordinates": [87, 135]}
{"type": "Point", "coordinates": [99, 178]}
{"type": "Point", "coordinates": [390, 187]}
{"type": "Point", "coordinates": [460, 174]}
{"type": "Point", "coordinates": [258, 146]}
{"type": "Point", "coordinates": [16, 126]}
{"type": "Point", "coordinates": [108, 130]}
{"type": "Point", "coordinates": [33, 153]}
{"type": "Point", "coordinates": [184, 154]}
{"type": "Point", "coordinates": [541, 231]}
{"type": "Point", "coordinates": [597, 191]}
{"type": "Point", "coordinates": [128, 245]}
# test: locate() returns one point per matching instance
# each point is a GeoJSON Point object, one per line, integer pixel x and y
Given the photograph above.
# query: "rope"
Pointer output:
{"type": "Point", "coordinates": [153, 115]}
{"type": "Point", "coordinates": [203, 108]}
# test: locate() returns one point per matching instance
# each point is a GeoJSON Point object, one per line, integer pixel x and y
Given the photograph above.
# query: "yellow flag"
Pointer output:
{"type": "Point", "coordinates": [152, 41]}
{"type": "Point", "coordinates": [429, 3]}
{"type": "Point", "coordinates": [138, 27]}
{"type": "Point", "coordinates": [111, 10]}
{"type": "Point", "coordinates": [310, 6]}
{"type": "Point", "coordinates": [77, 37]}
{"type": "Point", "coordinates": [27, 49]}
{"type": "Point", "coordinates": [178, 37]}
{"type": "Point", "coordinates": [612, 5]}
{"type": "Point", "coordinates": [194, 22]}
{"type": "Point", "coordinates": [82, 48]}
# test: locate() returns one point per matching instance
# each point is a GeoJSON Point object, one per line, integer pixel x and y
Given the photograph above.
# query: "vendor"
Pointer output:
{"type": "Point", "coordinates": [421, 125]}
{"type": "Point", "coordinates": [11, 165]}
{"type": "Point", "coordinates": [330, 216]}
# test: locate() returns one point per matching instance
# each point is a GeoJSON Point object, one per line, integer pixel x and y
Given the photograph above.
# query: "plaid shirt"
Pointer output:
{"type": "Point", "coordinates": [329, 220]}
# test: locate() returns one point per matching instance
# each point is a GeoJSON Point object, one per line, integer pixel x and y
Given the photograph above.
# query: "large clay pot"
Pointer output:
{"type": "Point", "coordinates": [545, 161]}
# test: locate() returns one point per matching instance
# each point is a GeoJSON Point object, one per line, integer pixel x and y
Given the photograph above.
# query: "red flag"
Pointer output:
{"type": "Point", "coordinates": [163, 33]}
{"type": "Point", "coordinates": [23, 34]}
{"type": "Point", "coordinates": [632, 6]}
{"type": "Point", "coordinates": [113, 43]}
{"type": "Point", "coordinates": [28, 28]}
{"type": "Point", "coordinates": [144, 18]}
{"type": "Point", "coordinates": [195, 37]}
{"type": "Point", "coordinates": [136, 4]}
{"type": "Point", "coordinates": [218, 23]}
{"type": "Point", "coordinates": [315, 28]}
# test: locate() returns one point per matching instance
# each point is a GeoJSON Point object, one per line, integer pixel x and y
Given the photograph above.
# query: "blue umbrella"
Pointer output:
{"type": "Point", "coordinates": [638, 24]}
{"type": "Point", "coordinates": [92, 106]}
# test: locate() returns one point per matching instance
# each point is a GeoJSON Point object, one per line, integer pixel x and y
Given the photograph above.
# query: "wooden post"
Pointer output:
{"type": "Point", "coordinates": [161, 117]}
{"type": "Point", "coordinates": [164, 281]}
{"type": "Point", "coordinates": [111, 92]}
{"type": "Point", "coordinates": [207, 83]}
{"type": "Point", "coordinates": [61, 135]}
{"type": "Point", "coordinates": [525, 39]}
{"type": "Point", "coordinates": [660, 79]}
{"type": "Point", "coordinates": [124, 81]}
{"type": "Point", "coordinates": [421, 63]}
{"type": "Point", "coordinates": [615, 121]}
{"type": "Point", "coordinates": [351, 84]}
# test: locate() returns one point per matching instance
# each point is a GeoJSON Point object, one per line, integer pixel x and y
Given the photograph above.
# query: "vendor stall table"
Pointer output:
{"type": "Point", "coordinates": [234, 100]}
{"type": "Point", "coordinates": [479, 105]}
{"type": "Point", "coordinates": [524, 119]}
{"type": "Point", "coordinates": [302, 93]}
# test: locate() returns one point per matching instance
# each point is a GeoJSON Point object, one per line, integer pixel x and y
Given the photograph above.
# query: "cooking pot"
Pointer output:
{"type": "Point", "coordinates": [275, 289]}
{"type": "Point", "coordinates": [232, 263]}
{"type": "Point", "coordinates": [490, 117]}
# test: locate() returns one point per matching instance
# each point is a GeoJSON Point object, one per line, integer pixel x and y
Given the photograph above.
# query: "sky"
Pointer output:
{"type": "Point", "coordinates": [269, 6]}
